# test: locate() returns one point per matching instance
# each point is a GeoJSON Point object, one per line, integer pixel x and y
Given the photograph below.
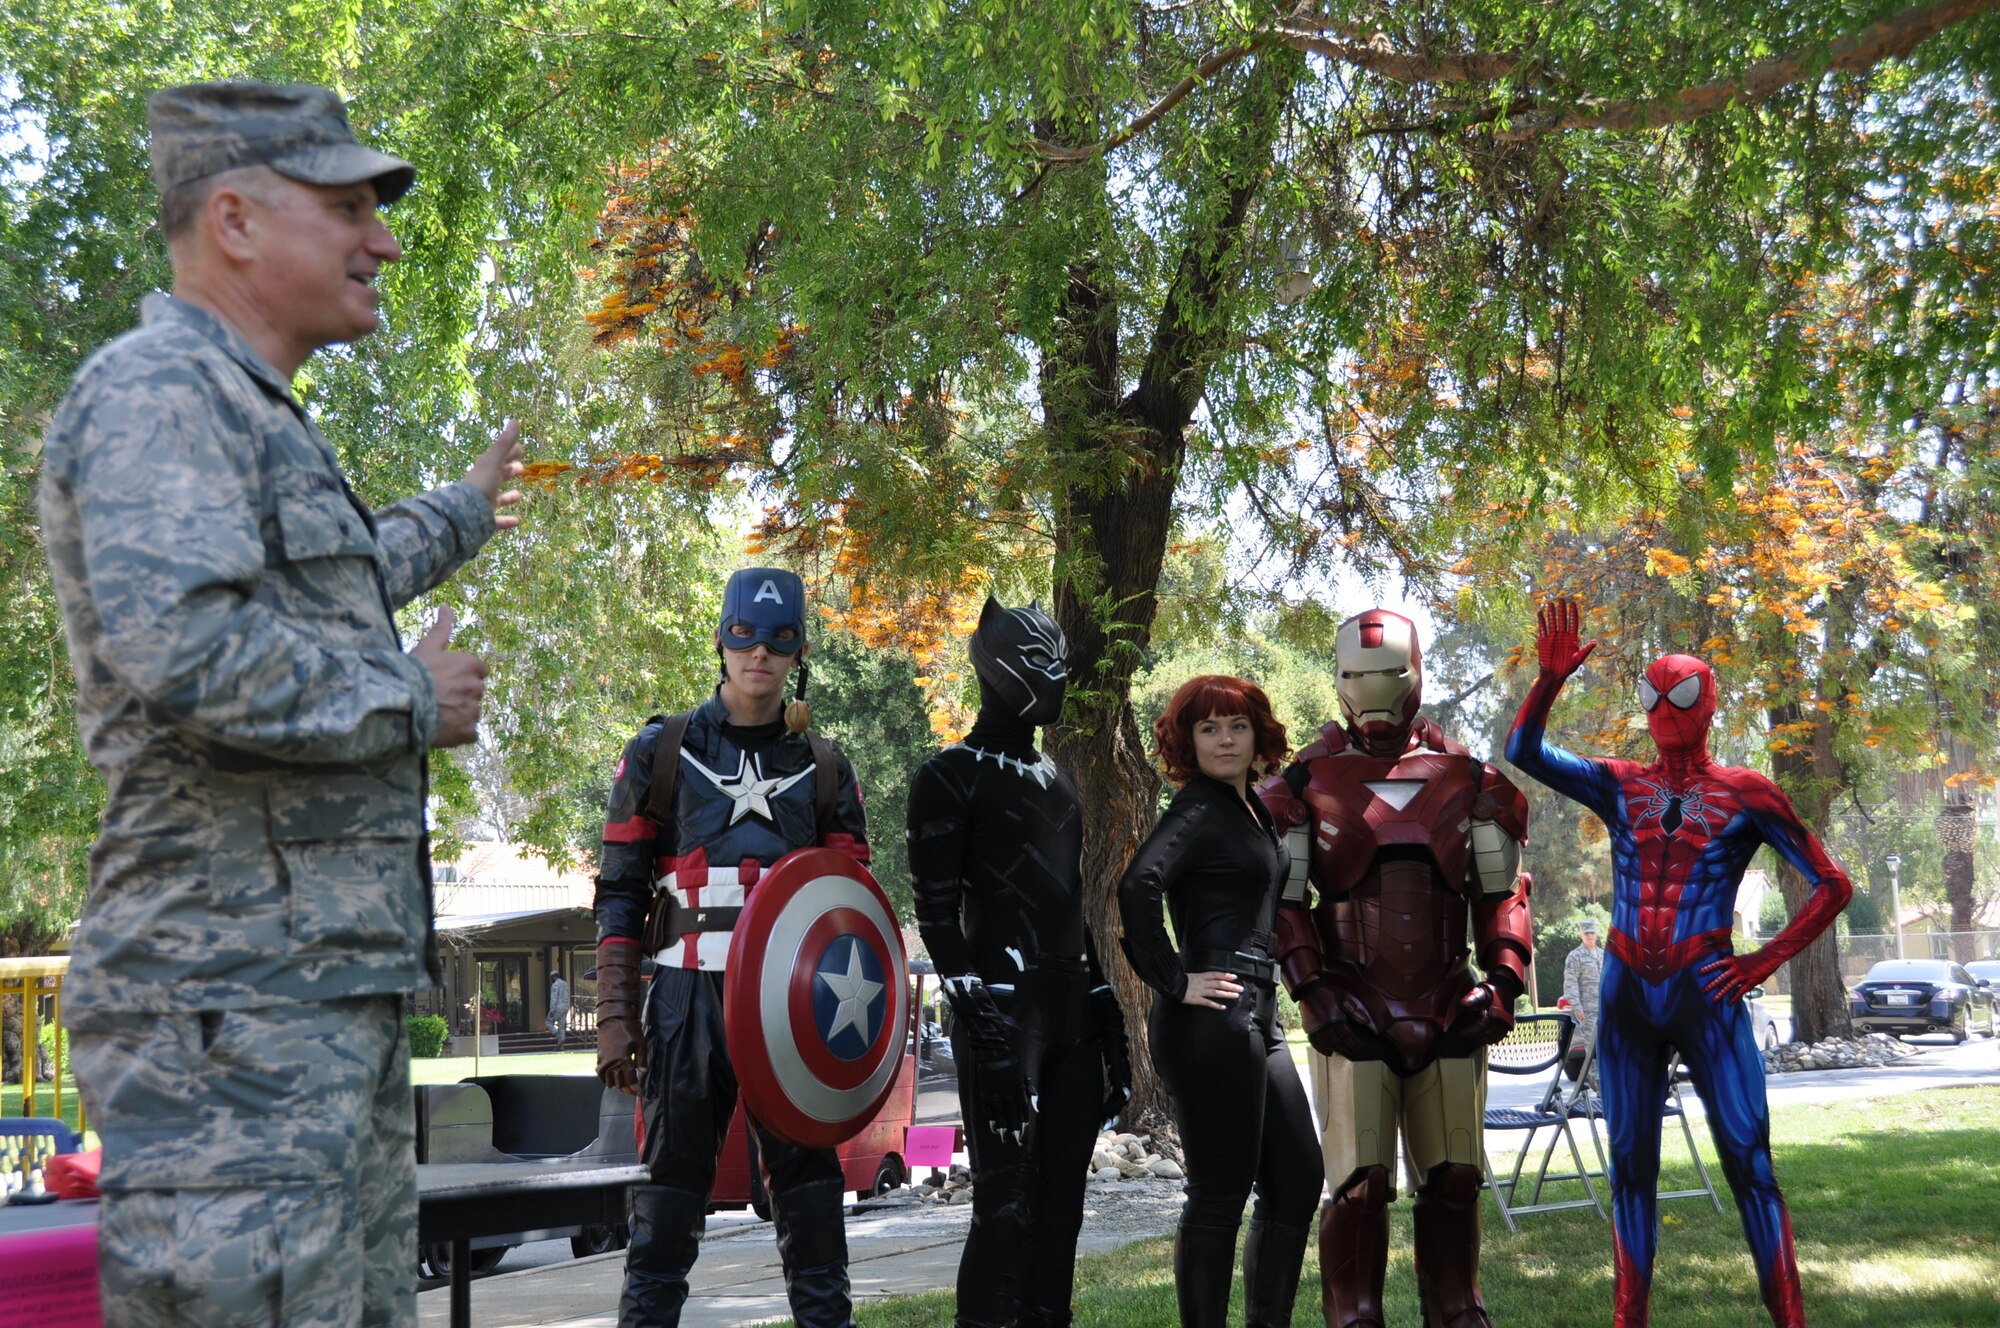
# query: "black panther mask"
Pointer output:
{"type": "Point", "coordinates": [1018, 656]}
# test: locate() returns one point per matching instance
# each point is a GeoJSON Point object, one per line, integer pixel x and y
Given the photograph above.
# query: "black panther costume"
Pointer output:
{"type": "Point", "coordinates": [742, 799]}
{"type": "Point", "coordinates": [1217, 861]}
{"type": "Point", "coordinates": [996, 852]}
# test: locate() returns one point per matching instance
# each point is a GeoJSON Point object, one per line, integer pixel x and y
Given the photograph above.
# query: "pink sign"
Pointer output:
{"type": "Point", "coordinates": [49, 1278]}
{"type": "Point", "coordinates": [929, 1145]}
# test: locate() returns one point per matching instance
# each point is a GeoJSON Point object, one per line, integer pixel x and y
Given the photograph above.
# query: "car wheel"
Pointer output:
{"type": "Point", "coordinates": [597, 1240]}
{"type": "Point", "coordinates": [889, 1175]}
{"type": "Point", "coordinates": [438, 1256]}
{"type": "Point", "coordinates": [1770, 1037]}
{"type": "Point", "coordinates": [1958, 1024]}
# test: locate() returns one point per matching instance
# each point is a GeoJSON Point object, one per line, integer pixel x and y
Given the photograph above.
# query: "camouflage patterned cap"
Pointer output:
{"type": "Point", "coordinates": [299, 131]}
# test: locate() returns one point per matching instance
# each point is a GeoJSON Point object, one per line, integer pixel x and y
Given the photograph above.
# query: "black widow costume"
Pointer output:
{"type": "Point", "coordinates": [996, 853]}
{"type": "Point", "coordinates": [1218, 862]}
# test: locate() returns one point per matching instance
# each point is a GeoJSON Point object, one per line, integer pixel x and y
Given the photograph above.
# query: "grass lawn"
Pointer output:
{"type": "Point", "coordinates": [45, 1101]}
{"type": "Point", "coordinates": [1894, 1203]}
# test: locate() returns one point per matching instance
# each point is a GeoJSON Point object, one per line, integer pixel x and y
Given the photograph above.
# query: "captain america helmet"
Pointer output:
{"type": "Point", "coordinates": [767, 601]}
{"type": "Point", "coordinates": [1019, 657]}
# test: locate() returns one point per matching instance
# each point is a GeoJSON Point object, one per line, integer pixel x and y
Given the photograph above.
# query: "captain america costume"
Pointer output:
{"type": "Point", "coordinates": [743, 797]}
{"type": "Point", "coordinates": [1683, 829]}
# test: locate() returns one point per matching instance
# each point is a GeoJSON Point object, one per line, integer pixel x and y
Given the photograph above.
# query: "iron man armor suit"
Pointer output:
{"type": "Point", "coordinates": [1410, 842]}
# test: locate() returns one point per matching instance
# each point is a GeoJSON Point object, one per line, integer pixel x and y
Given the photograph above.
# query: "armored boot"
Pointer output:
{"type": "Point", "coordinates": [1045, 1318]}
{"type": "Point", "coordinates": [1272, 1255]}
{"type": "Point", "coordinates": [812, 1246]}
{"type": "Point", "coordinates": [1204, 1261]}
{"type": "Point", "coordinates": [1354, 1251]}
{"type": "Point", "coordinates": [666, 1235]}
{"type": "Point", "coordinates": [1447, 1240]}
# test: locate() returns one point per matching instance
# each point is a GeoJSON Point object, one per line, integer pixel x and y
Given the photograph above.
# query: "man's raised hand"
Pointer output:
{"type": "Point", "coordinates": [496, 465]}
{"type": "Point", "coordinates": [459, 680]}
{"type": "Point", "coordinates": [1557, 630]}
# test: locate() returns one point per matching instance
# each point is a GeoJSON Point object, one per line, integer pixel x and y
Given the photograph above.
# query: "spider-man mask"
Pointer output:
{"type": "Point", "coordinates": [1677, 692]}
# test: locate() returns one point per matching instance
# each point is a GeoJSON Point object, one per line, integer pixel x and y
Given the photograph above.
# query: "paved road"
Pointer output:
{"type": "Point", "coordinates": [737, 1280]}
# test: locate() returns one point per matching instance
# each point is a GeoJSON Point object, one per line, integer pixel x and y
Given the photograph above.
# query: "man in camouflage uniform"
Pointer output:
{"type": "Point", "coordinates": [260, 893]}
{"type": "Point", "coordinates": [1583, 973]}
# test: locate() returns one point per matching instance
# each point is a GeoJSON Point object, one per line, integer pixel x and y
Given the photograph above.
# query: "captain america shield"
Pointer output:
{"type": "Point", "coordinates": [816, 998]}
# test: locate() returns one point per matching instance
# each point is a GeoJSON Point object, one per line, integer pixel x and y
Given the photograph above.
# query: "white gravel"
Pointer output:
{"type": "Point", "coordinates": [1127, 1209]}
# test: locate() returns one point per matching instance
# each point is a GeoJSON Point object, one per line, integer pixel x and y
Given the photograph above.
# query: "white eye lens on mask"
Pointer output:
{"type": "Point", "coordinates": [1649, 696]}
{"type": "Point", "coordinates": [1686, 692]}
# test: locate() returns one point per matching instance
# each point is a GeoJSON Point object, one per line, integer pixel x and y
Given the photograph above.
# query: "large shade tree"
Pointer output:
{"type": "Point", "coordinates": [966, 285]}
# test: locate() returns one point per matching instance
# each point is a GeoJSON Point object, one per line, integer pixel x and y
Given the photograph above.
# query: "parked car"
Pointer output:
{"type": "Point", "coordinates": [1905, 996]}
{"type": "Point", "coordinates": [1763, 1024]}
{"type": "Point", "coordinates": [1988, 968]}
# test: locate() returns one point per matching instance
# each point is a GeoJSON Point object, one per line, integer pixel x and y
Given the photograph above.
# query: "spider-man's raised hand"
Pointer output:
{"type": "Point", "coordinates": [1558, 627]}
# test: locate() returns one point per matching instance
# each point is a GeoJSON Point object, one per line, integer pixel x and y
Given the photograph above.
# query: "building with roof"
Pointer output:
{"type": "Point", "coordinates": [507, 921]}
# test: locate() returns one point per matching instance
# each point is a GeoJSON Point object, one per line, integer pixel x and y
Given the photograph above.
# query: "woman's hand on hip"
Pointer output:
{"type": "Point", "coordinates": [1212, 991]}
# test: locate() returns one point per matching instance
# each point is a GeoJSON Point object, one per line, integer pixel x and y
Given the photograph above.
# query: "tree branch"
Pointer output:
{"type": "Point", "coordinates": [1207, 69]}
{"type": "Point", "coordinates": [1377, 56]}
{"type": "Point", "coordinates": [1897, 35]}
{"type": "Point", "coordinates": [1306, 35]}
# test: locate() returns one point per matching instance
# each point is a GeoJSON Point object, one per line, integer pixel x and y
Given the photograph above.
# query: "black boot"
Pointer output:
{"type": "Point", "coordinates": [666, 1236]}
{"type": "Point", "coordinates": [1204, 1260]}
{"type": "Point", "coordinates": [1272, 1255]}
{"type": "Point", "coordinates": [812, 1246]}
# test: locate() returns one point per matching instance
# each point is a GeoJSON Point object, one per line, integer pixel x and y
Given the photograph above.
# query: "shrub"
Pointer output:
{"type": "Point", "coordinates": [427, 1033]}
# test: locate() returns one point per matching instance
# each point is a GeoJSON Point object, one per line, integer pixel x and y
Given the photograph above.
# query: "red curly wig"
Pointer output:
{"type": "Point", "coordinates": [1205, 697]}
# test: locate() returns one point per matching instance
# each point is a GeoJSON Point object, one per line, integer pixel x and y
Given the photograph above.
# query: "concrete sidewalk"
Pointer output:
{"type": "Point", "coordinates": [736, 1281]}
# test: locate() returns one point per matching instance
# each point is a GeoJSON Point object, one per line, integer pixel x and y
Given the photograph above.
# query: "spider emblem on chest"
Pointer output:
{"type": "Point", "coordinates": [1673, 809]}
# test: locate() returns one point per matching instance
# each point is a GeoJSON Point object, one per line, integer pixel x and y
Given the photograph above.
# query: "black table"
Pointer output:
{"type": "Point", "coordinates": [459, 1202]}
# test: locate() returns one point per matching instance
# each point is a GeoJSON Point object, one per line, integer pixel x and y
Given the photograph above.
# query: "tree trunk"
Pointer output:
{"type": "Point", "coordinates": [1810, 776]}
{"type": "Point", "coordinates": [1955, 831]}
{"type": "Point", "coordinates": [1115, 514]}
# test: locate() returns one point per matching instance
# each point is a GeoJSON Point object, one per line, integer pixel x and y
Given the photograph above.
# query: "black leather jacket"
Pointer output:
{"type": "Point", "coordinates": [1218, 866]}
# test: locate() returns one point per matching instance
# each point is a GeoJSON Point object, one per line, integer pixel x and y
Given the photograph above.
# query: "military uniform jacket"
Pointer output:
{"type": "Point", "coordinates": [736, 812]}
{"type": "Point", "coordinates": [240, 683]}
{"type": "Point", "coordinates": [1583, 972]}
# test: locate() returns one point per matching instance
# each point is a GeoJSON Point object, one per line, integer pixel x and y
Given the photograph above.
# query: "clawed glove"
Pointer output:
{"type": "Point", "coordinates": [1117, 1053]}
{"type": "Point", "coordinates": [621, 1042]}
{"type": "Point", "coordinates": [1001, 1102]}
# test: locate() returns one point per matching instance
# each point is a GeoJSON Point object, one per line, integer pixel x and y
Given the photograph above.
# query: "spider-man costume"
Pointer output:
{"type": "Point", "coordinates": [1682, 830]}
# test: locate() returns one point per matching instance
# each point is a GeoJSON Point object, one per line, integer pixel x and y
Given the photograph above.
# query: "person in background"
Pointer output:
{"type": "Point", "coordinates": [260, 895]}
{"type": "Point", "coordinates": [1216, 863]}
{"type": "Point", "coordinates": [1583, 971]}
{"type": "Point", "coordinates": [558, 1024]}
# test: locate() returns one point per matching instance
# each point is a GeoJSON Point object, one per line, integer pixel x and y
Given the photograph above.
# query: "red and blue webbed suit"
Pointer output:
{"type": "Point", "coordinates": [1683, 828]}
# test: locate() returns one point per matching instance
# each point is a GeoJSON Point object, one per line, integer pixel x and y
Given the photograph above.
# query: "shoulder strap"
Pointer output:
{"type": "Point", "coordinates": [659, 808]}
{"type": "Point", "coordinates": [826, 783]}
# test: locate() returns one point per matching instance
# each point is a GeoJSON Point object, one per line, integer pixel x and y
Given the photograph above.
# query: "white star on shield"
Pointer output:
{"type": "Point", "coordinates": [855, 993]}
